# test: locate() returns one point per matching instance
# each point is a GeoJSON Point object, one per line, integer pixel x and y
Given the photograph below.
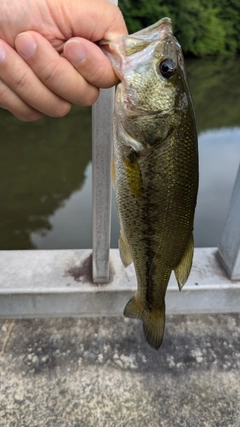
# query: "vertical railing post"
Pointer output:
{"type": "Point", "coordinates": [101, 183]}
{"type": "Point", "coordinates": [229, 247]}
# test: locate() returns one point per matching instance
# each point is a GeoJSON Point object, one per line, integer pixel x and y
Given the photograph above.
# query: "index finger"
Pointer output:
{"type": "Point", "coordinates": [92, 19]}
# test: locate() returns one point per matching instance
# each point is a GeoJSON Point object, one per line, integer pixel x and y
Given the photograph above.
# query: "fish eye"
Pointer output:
{"type": "Point", "coordinates": [167, 68]}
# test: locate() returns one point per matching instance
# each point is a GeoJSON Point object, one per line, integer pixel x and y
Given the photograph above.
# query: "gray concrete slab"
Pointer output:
{"type": "Point", "coordinates": [101, 372]}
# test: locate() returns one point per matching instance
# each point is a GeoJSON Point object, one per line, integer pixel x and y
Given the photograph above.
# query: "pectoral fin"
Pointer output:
{"type": "Point", "coordinates": [134, 177]}
{"type": "Point", "coordinates": [124, 251]}
{"type": "Point", "coordinates": [183, 269]}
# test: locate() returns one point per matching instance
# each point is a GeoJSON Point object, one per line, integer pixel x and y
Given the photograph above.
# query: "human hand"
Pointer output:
{"type": "Point", "coordinates": [48, 58]}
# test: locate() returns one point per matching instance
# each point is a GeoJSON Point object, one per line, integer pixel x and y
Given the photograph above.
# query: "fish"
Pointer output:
{"type": "Point", "coordinates": [155, 167]}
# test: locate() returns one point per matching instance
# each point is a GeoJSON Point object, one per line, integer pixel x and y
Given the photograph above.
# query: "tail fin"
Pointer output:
{"type": "Point", "coordinates": [153, 321]}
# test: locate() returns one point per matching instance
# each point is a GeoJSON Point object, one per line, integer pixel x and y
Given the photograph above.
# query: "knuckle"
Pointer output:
{"type": "Point", "coordinates": [98, 74]}
{"type": "Point", "coordinates": [20, 80]}
{"type": "Point", "coordinates": [3, 92]}
{"type": "Point", "coordinates": [16, 106]}
{"type": "Point", "coordinates": [51, 72]}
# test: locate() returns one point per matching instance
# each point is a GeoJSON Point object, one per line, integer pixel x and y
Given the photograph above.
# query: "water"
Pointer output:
{"type": "Point", "coordinates": [45, 174]}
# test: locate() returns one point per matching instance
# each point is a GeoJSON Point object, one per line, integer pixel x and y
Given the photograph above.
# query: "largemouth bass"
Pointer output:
{"type": "Point", "coordinates": [155, 169]}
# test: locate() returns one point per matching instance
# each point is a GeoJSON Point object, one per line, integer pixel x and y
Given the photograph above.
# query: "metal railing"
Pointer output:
{"type": "Point", "coordinates": [229, 247]}
{"type": "Point", "coordinates": [101, 182]}
{"type": "Point", "coordinates": [40, 283]}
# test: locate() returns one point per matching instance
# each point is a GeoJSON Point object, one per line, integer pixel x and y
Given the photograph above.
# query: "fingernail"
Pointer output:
{"type": "Point", "coordinates": [26, 45]}
{"type": "Point", "coordinates": [2, 54]}
{"type": "Point", "coordinates": [75, 52]}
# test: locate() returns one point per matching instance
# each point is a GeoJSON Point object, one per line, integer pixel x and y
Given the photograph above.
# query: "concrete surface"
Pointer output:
{"type": "Point", "coordinates": [100, 372]}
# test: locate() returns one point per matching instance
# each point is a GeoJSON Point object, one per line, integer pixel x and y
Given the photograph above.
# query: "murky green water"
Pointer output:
{"type": "Point", "coordinates": [45, 174]}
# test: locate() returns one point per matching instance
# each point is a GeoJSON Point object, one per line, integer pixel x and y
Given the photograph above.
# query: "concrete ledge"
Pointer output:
{"type": "Point", "coordinates": [58, 283]}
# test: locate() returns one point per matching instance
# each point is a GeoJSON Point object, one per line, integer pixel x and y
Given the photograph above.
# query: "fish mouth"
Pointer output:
{"type": "Point", "coordinates": [153, 32]}
{"type": "Point", "coordinates": [156, 31]}
{"type": "Point", "coordinates": [120, 50]}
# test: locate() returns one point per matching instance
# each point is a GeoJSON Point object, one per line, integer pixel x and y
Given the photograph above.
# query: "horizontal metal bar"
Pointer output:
{"type": "Point", "coordinates": [57, 283]}
{"type": "Point", "coordinates": [229, 247]}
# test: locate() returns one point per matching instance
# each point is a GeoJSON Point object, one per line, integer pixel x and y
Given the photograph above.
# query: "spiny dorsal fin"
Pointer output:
{"type": "Point", "coordinates": [183, 269]}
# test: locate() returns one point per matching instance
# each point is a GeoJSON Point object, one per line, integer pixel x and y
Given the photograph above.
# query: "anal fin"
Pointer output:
{"type": "Point", "coordinates": [183, 269]}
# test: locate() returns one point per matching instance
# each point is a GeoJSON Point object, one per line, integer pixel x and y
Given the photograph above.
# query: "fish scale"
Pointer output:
{"type": "Point", "coordinates": [155, 160]}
